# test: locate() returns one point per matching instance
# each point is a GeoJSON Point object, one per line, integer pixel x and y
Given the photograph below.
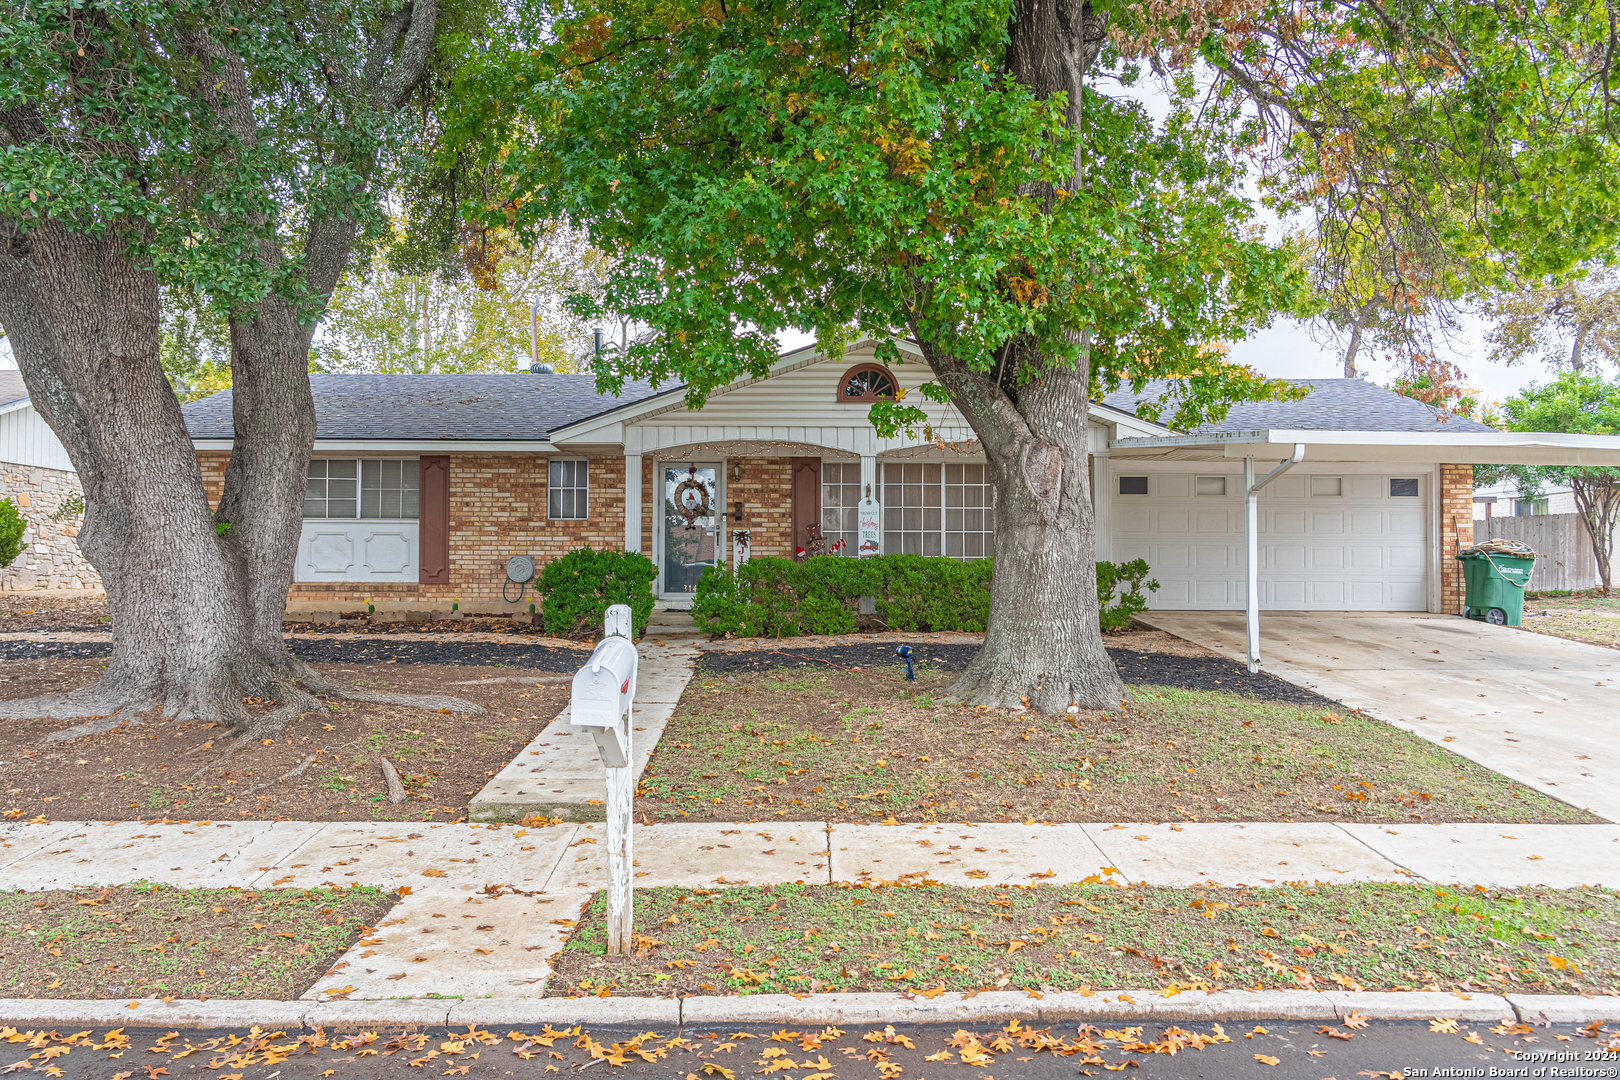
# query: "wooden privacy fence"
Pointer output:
{"type": "Point", "coordinates": [1560, 539]}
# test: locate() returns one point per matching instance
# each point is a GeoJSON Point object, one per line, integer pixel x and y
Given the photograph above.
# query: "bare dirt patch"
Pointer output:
{"type": "Point", "coordinates": [1588, 616]}
{"type": "Point", "coordinates": [159, 941]}
{"type": "Point", "coordinates": [67, 610]}
{"type": "Point", "coordinates": [147, 769]}
{"type": "Point", "coordinates": [817, 743]}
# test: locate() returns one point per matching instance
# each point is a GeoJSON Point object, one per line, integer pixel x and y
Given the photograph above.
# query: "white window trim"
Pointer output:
{"type": "Point", "coordinates": [586, 462]}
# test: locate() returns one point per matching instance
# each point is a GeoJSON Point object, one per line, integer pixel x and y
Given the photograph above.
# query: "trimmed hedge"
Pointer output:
{"type": "Point", "coordinates": [577, 589]}
{"type": "Point", "coordinates": [776, 597]}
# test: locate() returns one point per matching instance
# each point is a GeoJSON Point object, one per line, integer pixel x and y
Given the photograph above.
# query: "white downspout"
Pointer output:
{"type": "Point", "coordinates": [1251, 541]}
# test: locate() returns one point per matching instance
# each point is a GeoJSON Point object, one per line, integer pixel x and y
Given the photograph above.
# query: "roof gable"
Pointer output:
{"type": "Point", "coordinates": [12, 388]}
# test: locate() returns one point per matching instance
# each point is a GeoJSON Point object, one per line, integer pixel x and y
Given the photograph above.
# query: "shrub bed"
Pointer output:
{"type": "Point", "coordinates": [777, 597]}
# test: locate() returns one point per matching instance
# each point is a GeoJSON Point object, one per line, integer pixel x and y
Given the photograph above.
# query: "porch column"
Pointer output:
{"type": "Point", "coordinates": [1102, 501]}
{"type": "Point", "coordinates": [869, 480]}
{"type": "Point", "coordinates": [632, 500]}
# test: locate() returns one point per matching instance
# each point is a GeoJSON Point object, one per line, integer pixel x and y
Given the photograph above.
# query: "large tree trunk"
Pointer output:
{"type": "Point", "coordinates": [84, 323]}
{"type": "Point", "coordinates": [1043, 644]}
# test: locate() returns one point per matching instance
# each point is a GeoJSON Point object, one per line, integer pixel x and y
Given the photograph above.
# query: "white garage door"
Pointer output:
{"type": "Point", "coordinates": [1328, 541]}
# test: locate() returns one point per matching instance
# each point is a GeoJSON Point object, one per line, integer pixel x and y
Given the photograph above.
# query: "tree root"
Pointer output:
{"type": "Point", "coordinates": [297, 770]}
{"type": "Point", "coordinates": [396, 790]}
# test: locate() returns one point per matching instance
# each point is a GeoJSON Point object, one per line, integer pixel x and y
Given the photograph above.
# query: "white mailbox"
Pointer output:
{"type": "Point", "coordinates": [603, 691]}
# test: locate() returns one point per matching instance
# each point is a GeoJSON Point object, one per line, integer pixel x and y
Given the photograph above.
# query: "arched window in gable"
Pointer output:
{"type": "Point", "coordinates": [868, 382]}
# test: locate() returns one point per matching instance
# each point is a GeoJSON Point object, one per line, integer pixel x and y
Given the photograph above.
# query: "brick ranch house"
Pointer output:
{"type": "Point", "coordinates": [423, 486]}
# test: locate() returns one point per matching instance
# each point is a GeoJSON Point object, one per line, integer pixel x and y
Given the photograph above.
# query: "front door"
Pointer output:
{"type": "Point", "coordinates": [691, 518]}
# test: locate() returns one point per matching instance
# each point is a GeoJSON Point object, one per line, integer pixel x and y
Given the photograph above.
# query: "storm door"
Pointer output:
{"type": "Point", "coordinates": [691, 509]}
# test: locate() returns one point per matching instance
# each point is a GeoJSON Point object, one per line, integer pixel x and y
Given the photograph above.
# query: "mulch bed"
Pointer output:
{"type": "Point", "coordinates": [553, 658]}
{"type": "Point", "coordinates": [159, 941]}
{"type": "Point", "coordinates": [146, 769]}
{"type": "Point", "coordinates": [52, 611]}
{"type": "Point", "coordinates": [893, 936]}
{"type": "Point", "coordinates": [1137, 668]}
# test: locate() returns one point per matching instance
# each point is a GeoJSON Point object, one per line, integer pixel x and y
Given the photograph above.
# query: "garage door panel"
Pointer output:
{"type": "Point", "coordinates": [1366, 558]}
{"type": "Point", "coordinates": [1365, 487]}
{"type": "Point", "coordinates": [1173, 521]}
{"type": "Point", "coordinates": [1406, 523]}
{"type": "Point", "coordinates": [1212, 592]}
{"type": "Point", "coordinates": [1407, 557]}
{"type": "Point", "coordinates": [1367, 593]}
{"type": "Point", "coordinates": [1286, 557]}
{"type": "Point", "coordinates": [1327, 558]}
{"type": "Point", "coordinates": [1405, 596]}
{"type": "Point", "coordinates": [1288, 594]}
{"type": "Point", "coordinates": [1288, 522]}
{"type": "Point", "coordinates": [1213, 558]}
{"type": "Point", "coordinates": [1366, 523]}
{"type": "Point", "coordinates": [1170, 557]}
{"type": "Point", "coordinates": [1287, 487]}
{"type": "Point", "coordinates": [1327, 593]}
{"type": "Point", "coordinates": [1329, 522]}
{"type": "Point", "coordinates": [1174, 485]}
{"type": "Point", "coordinates": [1133, 521]}
{"type": "Point", "coordinates": [1212, 522]}
{"type": "Point", "coordinates": [1172, 593]}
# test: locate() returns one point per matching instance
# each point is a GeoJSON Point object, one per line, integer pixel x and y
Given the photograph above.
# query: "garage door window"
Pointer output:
{"type": "Point", "coordinates": [1328, 487]}
{"type": "Point", "coordinates": [1133, 485]}
{"type": "Point", "coordinates": [1209, 485]}
{"type": "Point", "coordinates": [1403, 488]}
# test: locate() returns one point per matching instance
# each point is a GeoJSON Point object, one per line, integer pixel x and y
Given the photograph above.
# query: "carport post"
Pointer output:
{"type": "Point", "coordinates": [1251, 543]}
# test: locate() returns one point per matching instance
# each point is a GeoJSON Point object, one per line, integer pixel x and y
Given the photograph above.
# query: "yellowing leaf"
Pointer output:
{"type": "Point", "coordinates": [430, 872]}
{"type": "Point", "coordinates": [725, 1073]}
{"type": "Point", "coordinates": [1267, 1059]}
{"type": "Point", "coordinates": [977, 874]}
{"type": "Point", "coordinates": [943, 1055]}
{"type": "Point", "coordinates": [1443, 1025]}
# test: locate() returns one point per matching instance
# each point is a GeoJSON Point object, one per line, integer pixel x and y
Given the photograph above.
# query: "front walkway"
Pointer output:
{"type": "Point", "coordinates": [1542, 710]}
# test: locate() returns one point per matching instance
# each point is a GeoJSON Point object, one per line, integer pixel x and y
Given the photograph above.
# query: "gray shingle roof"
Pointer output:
{"type": "Point", "coordinates": [450, 407]}
{"type": "Point", "coordinates": [1331, 405]}
{"type": "Point", "coordinates": [11, 387]}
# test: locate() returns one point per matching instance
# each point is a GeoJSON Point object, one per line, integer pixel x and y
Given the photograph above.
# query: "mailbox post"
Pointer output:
{"type": "Point", "coordinates": [603, 691]}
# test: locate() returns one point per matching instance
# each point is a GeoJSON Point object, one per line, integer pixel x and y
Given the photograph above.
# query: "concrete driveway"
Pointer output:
{"type": "Point", "coordinates": [1542, 710]}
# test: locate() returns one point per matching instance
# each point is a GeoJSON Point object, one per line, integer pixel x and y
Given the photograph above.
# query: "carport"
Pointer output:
{"type": "Point", "coordinates": [1289, 448]}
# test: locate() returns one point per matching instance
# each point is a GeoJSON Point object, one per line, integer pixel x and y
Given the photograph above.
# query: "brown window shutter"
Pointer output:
{"type": "Point", "coordinates": [434, 522]}
{"type": "Point", "coordinates": [806, 500]}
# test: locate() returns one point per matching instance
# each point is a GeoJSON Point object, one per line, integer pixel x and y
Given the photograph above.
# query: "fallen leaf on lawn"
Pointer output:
{"type": "Point", "coordinates": [1267, 1059]}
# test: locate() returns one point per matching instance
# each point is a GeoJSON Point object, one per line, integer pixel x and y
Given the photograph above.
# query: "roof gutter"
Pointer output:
{"type": "Point", "coordinates": [408, 446]}
{"type": "Point", "coordinates": [1409, 447]}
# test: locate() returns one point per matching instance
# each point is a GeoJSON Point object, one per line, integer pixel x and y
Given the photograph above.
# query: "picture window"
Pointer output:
{"type": "Point", "coordinates": [363, 489]}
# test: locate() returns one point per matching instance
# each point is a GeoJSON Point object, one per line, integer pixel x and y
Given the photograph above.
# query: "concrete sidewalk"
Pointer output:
{"type": "Point", "coordinates": [1539, 709]}
{"type": "Point", "coordinates": [522, 886]}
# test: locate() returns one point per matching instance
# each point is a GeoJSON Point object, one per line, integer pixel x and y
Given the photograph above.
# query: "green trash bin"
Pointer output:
{"type": "Point", "coordinates": [1494, 586]}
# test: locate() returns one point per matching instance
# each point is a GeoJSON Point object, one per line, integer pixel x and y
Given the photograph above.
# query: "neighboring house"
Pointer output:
{"type": "Point", "coordinates": [1504, 499]}
{"type": "Point", "coordinates": [423, 486]}
{"type": "Point", "coordinates": [35, 473]}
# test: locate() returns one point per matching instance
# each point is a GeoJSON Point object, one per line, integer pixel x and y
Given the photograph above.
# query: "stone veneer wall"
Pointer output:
{"type": "Point", "coordinates": [52, 559]}
{"type": "Point", "coordinates": [1456, 532]}
{"type": "Point", "coordinates": [497, 510]}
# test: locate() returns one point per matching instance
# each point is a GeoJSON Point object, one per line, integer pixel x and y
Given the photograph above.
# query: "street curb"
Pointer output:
{"type": "Point", "coordinates": [1190, 1006]}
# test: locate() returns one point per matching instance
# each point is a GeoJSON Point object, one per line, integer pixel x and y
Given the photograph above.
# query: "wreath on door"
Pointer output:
{"type": "Point", "coordinates": [692, 498]}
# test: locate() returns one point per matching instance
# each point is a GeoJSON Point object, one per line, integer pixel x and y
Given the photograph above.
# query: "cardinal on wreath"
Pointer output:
{"type": "Point", "coordinates": [692, 499]}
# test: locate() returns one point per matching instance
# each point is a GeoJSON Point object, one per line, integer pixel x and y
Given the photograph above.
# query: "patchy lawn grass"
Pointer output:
{"type": "Point", "coordinates": [159, 941]}
{"type": "Point", "coordinates": [801, 744]}
{"type": "Point", "coordinates": [1585, 616]}
{"type": "Point", "coordinates": [149, 769]}
{"type": "Point", "coordinates": [889, 936]}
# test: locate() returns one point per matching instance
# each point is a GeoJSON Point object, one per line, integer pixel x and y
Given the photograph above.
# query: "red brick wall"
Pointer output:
{"type": "Point", "coordinates": [1456, 532]}
{"type": "Point", "coordinates": [766, 492]}
{"type": "Point", "coordinates": [212, 463]}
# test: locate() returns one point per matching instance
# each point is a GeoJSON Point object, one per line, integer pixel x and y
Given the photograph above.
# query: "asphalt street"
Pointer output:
{"type": "Point", "coordinates": [1273, 1050]}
